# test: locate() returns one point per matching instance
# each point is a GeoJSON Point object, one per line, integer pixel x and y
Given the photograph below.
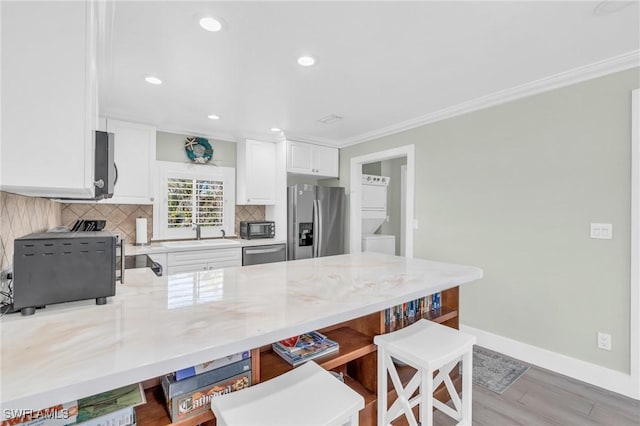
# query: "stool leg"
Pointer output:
{"type": "Point", "coordinates": [382, 386]}
{"type": "Point", "coordinates": [467, 387]}
{"type": "Point", "coordinates": [426, 393]}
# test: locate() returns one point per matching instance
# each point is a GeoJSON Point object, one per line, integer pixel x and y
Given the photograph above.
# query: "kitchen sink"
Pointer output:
{"type": "Point", "coordinates": [200, 243]}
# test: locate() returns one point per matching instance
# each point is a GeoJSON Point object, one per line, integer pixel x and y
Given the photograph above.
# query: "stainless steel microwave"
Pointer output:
{"type": "Point", "coordinates": [257, 229]}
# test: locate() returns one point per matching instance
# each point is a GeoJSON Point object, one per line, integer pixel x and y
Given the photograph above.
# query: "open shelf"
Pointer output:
{"type": "Point", "coordinates": [353, 345]}
{"type": "Point", "coordinates": [439, 315]}
{"type": "Point", "coordinates": [356, 359]}
{"type": "Point", "coordinates": [368, 413]}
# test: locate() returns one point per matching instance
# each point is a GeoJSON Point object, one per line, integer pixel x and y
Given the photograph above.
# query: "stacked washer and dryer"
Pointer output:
{"type": "Point", "coordinates": [374, 214]}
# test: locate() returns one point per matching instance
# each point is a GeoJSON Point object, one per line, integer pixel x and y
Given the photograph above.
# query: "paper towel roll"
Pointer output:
{"type": "Point", "coordinates": [141, 230]}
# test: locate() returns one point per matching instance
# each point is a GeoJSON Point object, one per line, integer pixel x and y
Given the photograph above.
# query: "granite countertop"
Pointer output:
{"type": "Point", "coordinates": [155, 325]}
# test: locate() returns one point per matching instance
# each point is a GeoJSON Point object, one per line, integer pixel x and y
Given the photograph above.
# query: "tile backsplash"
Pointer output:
{"type": "Point", "coordinates": [245, 213]}
{"type": "Point", "coordinates": [121, 218]}
{"type": "Point", "coordinates": [20, 216]}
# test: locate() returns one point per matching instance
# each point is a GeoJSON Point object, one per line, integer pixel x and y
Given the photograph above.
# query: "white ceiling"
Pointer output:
{"type": "Point", "coordinates": [379, 63]}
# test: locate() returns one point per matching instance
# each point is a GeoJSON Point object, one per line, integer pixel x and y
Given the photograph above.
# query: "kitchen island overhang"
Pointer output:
{"type": "Point", "coordinates": [155, 325]}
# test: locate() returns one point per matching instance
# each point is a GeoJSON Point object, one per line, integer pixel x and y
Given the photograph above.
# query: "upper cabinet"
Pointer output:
{"type": "Point", "coordinates": [49, 98]}
{"type": "Point", "coordinates": [135, 157]}
{"type": "Point", "coordinates": [256, 173]}
{"type": "Point", "coordinates": [309, 159]}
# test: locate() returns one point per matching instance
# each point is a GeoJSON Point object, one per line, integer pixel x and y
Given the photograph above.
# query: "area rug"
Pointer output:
{"type": "Point", "coordinates": [495, 371]}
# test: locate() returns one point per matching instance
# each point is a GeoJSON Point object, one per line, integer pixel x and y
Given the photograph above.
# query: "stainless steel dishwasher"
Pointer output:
{"type": "Point", "coordinates": [256, 255]}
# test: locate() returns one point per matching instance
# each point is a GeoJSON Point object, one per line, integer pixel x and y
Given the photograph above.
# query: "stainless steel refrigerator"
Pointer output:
{"type": "Point", "coordinates": [315, 221]}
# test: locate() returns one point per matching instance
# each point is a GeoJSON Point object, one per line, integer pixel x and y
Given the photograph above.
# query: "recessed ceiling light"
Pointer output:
{"type": "Point", "coordinates": [152, 80]}
{"type": "Point", "coordinates": [306, 61]}
{"type": "Point", "coordinates": [213, 117]}
{"type": "Point", "coordinates": [275, 129]}
{"type": "Point", "coordinates": [608, 7]}
{"type": "Point", "coordinates": [332, 118]}
{"type": "Point", "coordinates": [210, 24]}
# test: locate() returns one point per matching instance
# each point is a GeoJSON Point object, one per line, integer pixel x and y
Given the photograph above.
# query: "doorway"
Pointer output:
{"type": "Point", "coordinates": [355, 196]}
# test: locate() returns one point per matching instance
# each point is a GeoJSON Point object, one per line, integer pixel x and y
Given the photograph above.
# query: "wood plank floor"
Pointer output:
{"type": "Point", "coordinates": [540, 397]}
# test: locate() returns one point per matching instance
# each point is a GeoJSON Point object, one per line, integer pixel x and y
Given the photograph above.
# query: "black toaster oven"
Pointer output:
{"type": "Point", "coordinates": [55, 267]}
{"type": "Point", "coordinates": [257, 229]}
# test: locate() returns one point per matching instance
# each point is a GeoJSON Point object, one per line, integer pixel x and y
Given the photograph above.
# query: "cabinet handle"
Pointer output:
{"type": "Point", "coordinates": [248, 200]}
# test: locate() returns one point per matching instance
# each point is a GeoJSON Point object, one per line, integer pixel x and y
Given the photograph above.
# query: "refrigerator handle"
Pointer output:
{"type": "Point", "coordinates": [316, 229]}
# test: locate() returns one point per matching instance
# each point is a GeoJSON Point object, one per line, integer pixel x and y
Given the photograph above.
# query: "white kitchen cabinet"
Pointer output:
{"type": "Point", "coordinates": [309, 159]}
{"type": "Point", "coordinates": [203, 260]}
{"type": "Point", "coordinates": [49, 98]}
{"type": "Point", "coordinates": [135, 157]}
{"type": "Point", "coordinates": [256, 173]}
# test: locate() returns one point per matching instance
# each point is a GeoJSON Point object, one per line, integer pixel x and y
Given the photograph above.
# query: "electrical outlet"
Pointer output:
{"type": "Point", "coordinates": [601, 231]}
{"type": "Point", "coordinates": [604, 341]}
{"type": "Point", "coordinates": [5, 276]}
{"type": "Point", "coordinates": [5, 273]}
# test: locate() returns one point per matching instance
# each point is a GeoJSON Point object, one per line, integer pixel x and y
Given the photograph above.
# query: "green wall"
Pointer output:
{"type": "Point", "coordinates": [512, 189]}
{"type": "Point", "coordinates": [170, 147]}
{"type": "Point", "coordinates": [391, 168]}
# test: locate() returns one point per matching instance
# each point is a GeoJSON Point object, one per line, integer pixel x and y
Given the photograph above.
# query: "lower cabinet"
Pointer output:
{"type": "Point", "coordinates": [356, 360]}
{"type": "Point", "coordinates": [203, 260]}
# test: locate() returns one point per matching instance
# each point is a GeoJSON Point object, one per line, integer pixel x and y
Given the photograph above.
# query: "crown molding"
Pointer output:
{"type": "Point", "coordinates": [314, 140]}
{"type": "Point", "coordinates": [566, 78]}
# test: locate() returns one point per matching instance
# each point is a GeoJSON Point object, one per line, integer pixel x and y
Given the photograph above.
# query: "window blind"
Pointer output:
{"type": "Point", "coordinates": [196, 201]}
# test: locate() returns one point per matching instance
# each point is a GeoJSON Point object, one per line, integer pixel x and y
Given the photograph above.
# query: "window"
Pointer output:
{"type": "Point", "coordinates": [194, 201]}
{"type": "Point", "coordinates": [194, 194]}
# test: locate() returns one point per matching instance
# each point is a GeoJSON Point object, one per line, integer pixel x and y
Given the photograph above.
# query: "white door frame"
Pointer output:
{"type": "Point", "coordinates": [355, 195]}
{"type": "Point", "coordinates": [634, 343]}
{"type": "Point", "coordinates": [403, 207]}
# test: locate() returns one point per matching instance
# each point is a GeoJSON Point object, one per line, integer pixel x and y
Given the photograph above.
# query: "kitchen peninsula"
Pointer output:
{"type": "Point", "coordinates": [155, 325]}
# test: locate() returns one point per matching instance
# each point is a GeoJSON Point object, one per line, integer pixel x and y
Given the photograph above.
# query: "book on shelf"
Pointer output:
{"type": "Point", "coordinates": [301, 341]}
{"type": "Point", "coordinates": [211, 365]}
{"type": "Point", "coordinates": [407, 313]}
{"type": "Point", "coordinates": [123, 417]}
{"type": "Point", "coordinates": [295, 358]}
{"type": "Point", "coordinates": [172, 387]}
{"type": "Point", "coordinates": [111, 405]}
{"type": "Point", "coordinates": [57, 415]}
{"type": "Point", "coordinates": [199, 400]}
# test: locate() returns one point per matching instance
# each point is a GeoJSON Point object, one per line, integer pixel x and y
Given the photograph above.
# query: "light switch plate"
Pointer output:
{"type": "Point", "coordinates": [604, 341]}
{"type": "Point", "coordinates": [602, 231]}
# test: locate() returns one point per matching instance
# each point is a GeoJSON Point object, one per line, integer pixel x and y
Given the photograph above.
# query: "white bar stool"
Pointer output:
{"type": "Point", "coordinates": [306, 395]}
{"type": "Point", "coordinates": [427, 347]}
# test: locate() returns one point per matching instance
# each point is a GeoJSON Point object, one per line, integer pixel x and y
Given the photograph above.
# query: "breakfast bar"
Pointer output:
{"type": "Point", "coordinates": [156, 325]}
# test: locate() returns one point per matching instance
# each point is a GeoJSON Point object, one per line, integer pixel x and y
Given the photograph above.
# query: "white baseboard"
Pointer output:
{"type": "Point", "coordinates": [596, 375]}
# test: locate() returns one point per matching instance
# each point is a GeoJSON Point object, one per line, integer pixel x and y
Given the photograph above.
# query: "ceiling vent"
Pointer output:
{"type": "Point", "coordinates": [329, 119]}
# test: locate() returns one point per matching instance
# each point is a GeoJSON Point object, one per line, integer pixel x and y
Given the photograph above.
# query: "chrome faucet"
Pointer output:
{"type": "Point", "coordinates": [223, 233]}
{"type": "Point", "coordinates": [196, 226]}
